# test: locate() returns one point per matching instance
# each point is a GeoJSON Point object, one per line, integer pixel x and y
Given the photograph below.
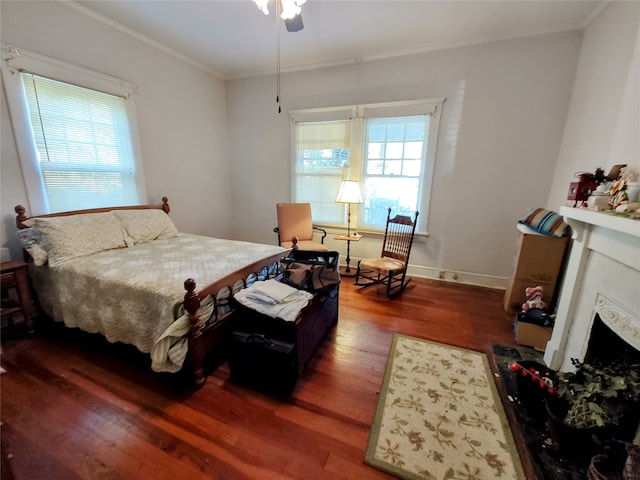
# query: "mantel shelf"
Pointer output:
{"type": "Point", "coordinates": [611, 221]}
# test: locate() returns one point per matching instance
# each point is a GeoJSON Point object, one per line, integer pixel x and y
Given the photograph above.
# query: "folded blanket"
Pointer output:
{"type": "Point", "coordinates": [271, 291]}
{"type": "Point", "coordinates": [287, 310]}
{"type": "Point", "coordinates": [261, 297]}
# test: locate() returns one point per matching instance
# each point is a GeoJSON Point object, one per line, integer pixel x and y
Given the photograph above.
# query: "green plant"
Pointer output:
{"type": "Point", "coordinates": [598, 394]}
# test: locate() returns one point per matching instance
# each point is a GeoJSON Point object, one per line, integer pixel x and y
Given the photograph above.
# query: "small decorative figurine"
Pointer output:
{"type": "Point", "coordinates": [534, 298]}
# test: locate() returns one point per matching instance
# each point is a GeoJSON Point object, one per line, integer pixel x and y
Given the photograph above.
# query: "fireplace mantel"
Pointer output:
{"type": "Point", "coordinates": [610, 221]}
{"type": "Point", "coordinates": [604, 260]}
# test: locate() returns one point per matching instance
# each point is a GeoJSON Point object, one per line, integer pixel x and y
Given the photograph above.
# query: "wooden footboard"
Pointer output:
{"type": "Point", "coordinates": [207, 335]}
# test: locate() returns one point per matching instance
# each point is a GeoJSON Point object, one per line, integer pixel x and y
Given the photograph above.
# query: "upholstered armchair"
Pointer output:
{"type": "Point", "coordinates": [296, 229]}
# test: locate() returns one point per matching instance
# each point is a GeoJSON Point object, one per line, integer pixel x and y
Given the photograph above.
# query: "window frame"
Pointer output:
{"type": "Point", "coordinates": [22, 61]}
{"type": "Point", "coordinates": [358, 114]}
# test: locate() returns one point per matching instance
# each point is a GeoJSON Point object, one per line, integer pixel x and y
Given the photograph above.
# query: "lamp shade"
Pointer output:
{"type": "Point", "coordinates": [349, 192]}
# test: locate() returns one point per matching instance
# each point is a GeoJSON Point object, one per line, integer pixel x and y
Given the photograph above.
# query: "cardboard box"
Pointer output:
{"type": "Point", "coordinates": [532, 335]}
{"type": "Point", "coordinates": [538, 261]}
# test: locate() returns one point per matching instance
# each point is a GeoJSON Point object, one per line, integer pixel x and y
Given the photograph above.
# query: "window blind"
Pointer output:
{"type": "Point", "coordinates": [322, 156]}
{"type": "Point", "coordinates": [83, 143]}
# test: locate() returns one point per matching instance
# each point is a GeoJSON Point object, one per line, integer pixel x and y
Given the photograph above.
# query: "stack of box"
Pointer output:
{"type": "Point", "coordinates": [538, 261]}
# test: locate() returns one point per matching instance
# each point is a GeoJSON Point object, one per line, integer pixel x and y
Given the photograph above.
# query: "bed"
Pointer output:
{"type": "Point", "coordinates": [128, 274]}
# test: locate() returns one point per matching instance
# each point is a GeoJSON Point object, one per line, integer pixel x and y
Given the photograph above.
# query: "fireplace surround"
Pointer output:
{"type": "Point", "coordinates": [602, 277]}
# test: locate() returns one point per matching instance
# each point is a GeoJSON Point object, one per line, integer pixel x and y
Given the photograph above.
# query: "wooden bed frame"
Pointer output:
{"type": "Point", "coordinates": [204, 337]}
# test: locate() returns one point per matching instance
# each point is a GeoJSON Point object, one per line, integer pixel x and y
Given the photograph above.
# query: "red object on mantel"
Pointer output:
{"type": "Point", "coordinates": [580, 191]}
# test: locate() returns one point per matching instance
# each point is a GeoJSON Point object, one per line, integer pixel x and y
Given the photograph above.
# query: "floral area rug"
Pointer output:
{"type": "Point", "coordinates": [439, 416]}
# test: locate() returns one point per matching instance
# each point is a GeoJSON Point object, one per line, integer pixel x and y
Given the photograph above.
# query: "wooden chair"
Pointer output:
{"type": "Point", "coordinates": [390, 268]}
{"type": "Point", "coordinates": [295, 228]}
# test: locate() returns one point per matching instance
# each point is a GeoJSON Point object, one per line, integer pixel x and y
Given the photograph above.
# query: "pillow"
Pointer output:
{"type": "Point", "coordinates": [145, 225]}
{"type": "Point", "coordinates": [545, 222]}
{"type": "Point", "coordinates": [72, 236]}
{"type": "Point", "coordinates": [30, 239]}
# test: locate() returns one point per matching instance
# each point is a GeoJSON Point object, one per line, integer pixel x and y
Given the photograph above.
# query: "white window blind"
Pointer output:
{"type": "Point", "coordinates": [322, 156]}
{"type": "Point", "coordinates": [83, 143]}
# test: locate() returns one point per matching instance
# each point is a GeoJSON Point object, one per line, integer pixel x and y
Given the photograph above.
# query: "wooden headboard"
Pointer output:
{"type": "Point", "coordinates": [21, 217]}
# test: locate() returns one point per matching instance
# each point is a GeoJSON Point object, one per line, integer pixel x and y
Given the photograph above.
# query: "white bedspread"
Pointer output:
{"type": "Point", "coordinates": [133, 295]}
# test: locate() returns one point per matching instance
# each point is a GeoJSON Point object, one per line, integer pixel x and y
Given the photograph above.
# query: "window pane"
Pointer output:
{"type": "Point", "coordinates": [393, 167]}
{"type": "Point", "coordinates": [375, 167]}
{"type": "Point", "coordinates": [413, 150]}
{"type": "Point", "coordinates": [374, 150]}
{"type": "Point", "coordinates": [411, 168]}
{"type": "Point", "coordinates": [380, 193]}
{"type": "Point", "coordinates": [394, 150]}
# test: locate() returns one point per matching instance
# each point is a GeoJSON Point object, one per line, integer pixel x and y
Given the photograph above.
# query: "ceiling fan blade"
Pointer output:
{"type": "Point", "coordinates": [294, 24]}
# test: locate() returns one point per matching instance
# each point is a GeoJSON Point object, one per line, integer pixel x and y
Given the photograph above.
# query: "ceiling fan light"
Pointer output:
{"type": "Point", "coordinates": [290, 9]}
{"type": "Point", "coordinates": [262, 5]}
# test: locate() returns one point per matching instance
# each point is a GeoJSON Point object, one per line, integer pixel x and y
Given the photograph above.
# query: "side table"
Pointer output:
{"type": "Point", "coordinates": [348, 238]}
{"type": "Point", "coordinates": [13, 275]}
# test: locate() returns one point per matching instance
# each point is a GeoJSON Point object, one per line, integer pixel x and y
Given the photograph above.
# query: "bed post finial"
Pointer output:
{"type": "Point", "coordinates": [165, 205]}
{"type": "Point", "coordinates": [191, 300]}
{"type": "Point", "coordinates": [191, 305]}
{"type": "Point", "coordinates": [21, 217]}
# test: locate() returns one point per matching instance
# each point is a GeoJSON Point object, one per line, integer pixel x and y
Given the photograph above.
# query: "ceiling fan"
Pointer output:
{"type": "Point", "coordinates": [289, 12]}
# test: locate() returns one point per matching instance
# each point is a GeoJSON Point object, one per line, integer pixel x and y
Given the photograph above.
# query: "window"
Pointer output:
{"type": "Point", "coordinates": [75, 133]}
{"type": "Point", "coordinates": [322, 155]}
{"type": "Point", "coordinates": [83, 143]}
{"type": "Point", "coordinates": [389, 148]}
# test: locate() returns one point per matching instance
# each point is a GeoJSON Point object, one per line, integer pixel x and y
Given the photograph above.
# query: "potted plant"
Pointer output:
{"type": "Point", "coordinates": [595, 399]}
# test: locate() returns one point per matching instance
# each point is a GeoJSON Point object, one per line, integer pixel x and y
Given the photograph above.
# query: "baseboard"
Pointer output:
{"type": "Point", "coordinates": [452, 276]}
{"type": "Point", "coordinates": [455, 276]}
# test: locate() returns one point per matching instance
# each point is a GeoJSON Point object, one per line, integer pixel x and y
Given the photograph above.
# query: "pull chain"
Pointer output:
{"type": "Point", "coordinates": [277, 15]}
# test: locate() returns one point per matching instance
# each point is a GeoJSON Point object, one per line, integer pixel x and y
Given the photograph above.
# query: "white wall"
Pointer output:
{"type": "Point", "coordinates": [500, 135]}
{"type": "Point", "coordinates": [181, 114]}
{"type": "Point", "coordinates": [603, 125]}
{"type": "Point", "coordinates": [224, 167]}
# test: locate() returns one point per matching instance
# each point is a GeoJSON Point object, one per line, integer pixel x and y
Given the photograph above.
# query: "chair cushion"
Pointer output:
{"type": "Point", "coordinates": [382, 264]}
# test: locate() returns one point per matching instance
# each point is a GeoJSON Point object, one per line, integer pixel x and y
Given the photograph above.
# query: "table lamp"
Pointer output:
{"type": "Point", "coordinates": [349, 193]}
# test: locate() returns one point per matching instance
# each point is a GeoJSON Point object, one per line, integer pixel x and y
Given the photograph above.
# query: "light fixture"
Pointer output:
{"type": "Point", "coordinates": [290, 12]}
{"type": "Point", "coordinates": [289, 8]}
{"type": "Point", "coordinates": [349, 193]}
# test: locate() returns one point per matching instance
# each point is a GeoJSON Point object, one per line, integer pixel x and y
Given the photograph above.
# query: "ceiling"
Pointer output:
{"type": "Point", "coordinates": [233, 39]}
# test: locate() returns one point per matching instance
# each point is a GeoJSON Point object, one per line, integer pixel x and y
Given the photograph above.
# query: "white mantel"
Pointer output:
{"type": "Point", "coordinates": [602, 275]}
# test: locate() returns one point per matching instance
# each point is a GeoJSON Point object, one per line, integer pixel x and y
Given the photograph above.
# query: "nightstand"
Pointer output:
{"type": "Point", "coordinates": [14, 278]}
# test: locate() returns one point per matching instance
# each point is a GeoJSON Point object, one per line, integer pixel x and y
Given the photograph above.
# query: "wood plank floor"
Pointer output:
{"type": "Point", "coordinates": [74, 406]}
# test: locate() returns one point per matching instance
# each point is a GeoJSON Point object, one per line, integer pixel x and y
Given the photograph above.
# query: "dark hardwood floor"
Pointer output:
{"type": "Point", "coordinates": [75, 406]}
